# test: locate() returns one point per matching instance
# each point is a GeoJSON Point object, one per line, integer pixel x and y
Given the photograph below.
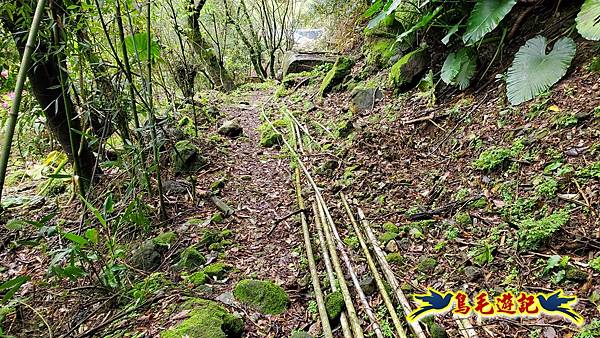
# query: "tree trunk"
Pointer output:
{"type": "Point", "coordinates": [45, 80]}
{"type": "Point", "coordinates": [215, 69]}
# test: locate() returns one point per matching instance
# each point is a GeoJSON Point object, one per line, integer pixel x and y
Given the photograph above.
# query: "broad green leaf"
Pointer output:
{"type": "Point", "coordinates": [139, 43]}
{"type": "Point", "coordinates": [375, 7]}
{"type": "Point", "coordinates": [533, 71]}
{"type": "Point", "coordinates": [389, 7]}
{"type": "Point", "coordinates": [92, 235]}
{"type": "Point", "coordinates": [486, 16]}
{"type": "Point", "coordinates": [425, 20]}
{"type": "Point", "coordinates": [588, 20]}
{"type": "Point", "coordinates": [451, 32]}
{"type": "Point", "coordinates": [15, 224]}
{"type": "Point", "coordinates": [12, 286]}
{"type": "Point", "coordinates": [459, 68]}
{"type": "Point", "coordinates": [75, 238]}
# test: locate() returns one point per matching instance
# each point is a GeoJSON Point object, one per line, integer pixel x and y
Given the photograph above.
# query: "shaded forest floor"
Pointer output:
{"type": "Point", "coordinates": [454, 227]}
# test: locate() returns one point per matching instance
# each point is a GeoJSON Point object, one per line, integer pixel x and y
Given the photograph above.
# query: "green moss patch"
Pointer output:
{"type": "Point", "coordinates": [341, 68]}
{"type": "Point", "coordinates": [268, 136]}
{"type": "Point", "coordinates": [217, 270]}
{"type": "Point", "coordinates": [165, 239]}
{"type": "Point", "coordinates": [207, 319]}
{"type": "Point", "coordinates": [409, 69]}
{"type": "Point", "coordinates": [190, 259]}
{"type": "Point", "coordinates": [265, 296]}
{"type": "Point", "coordinates": [334, 303]}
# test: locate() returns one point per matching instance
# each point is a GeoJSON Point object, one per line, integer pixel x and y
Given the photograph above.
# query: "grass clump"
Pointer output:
{"type": "Point", "coordinates": [532, 233]}
{"type": "Point", "coordinates": [265, 296]}
{"type": "Point", "coordinates": [592, 330]}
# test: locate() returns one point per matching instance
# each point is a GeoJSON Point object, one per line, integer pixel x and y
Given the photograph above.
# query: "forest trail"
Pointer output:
{"type": "Point", "coordinates": [258, 186]}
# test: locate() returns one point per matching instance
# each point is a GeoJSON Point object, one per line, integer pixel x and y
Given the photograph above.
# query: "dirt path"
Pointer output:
{"type": "Point", "coordinates": [259, 187]}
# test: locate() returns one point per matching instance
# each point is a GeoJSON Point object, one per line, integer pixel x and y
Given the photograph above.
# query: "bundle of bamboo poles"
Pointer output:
{"type": "Point", "coordinates": [332, 248]}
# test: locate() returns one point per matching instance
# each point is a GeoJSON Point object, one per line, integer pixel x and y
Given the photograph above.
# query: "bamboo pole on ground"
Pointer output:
{"type": "Point", "coordinates": [389, 275]}
{"type": "Point", "coordinates": [353, 318]}
{"type": "Point", "coordinates": [378, 279]}
{"type": "Point", "coordinates": [330, 274]}
{"type": "Point", "coordinates": [361, 295]}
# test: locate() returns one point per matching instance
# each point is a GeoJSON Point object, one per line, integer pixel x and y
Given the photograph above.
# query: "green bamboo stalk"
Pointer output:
{"type": "Point", "coordinates": [161, 198]}
{"type": "Point", "coordinates": [389, 275]}
{"type": "Point", "coordinates": [21, 77]}
{"type": "Point", "coordinates": [378, 279]}
{"type": "Point", "coordinates": [312, 266]}
{"type": "Point", "coordinates": [329, 268]}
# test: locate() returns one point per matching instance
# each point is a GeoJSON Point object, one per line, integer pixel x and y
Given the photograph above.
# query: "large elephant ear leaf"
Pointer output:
{"type": "Point", "coordinates": [459, 68]}
{"type": "Point", "coordinates": [533, 71]}
{"type": "Point", "coordinates": [588, 20]}
{"type": "Point", "coordinates": [486, 16]}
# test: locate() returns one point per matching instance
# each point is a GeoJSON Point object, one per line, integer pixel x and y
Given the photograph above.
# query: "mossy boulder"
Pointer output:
{"type": "Point", "coordinates": [231, 128]}
{"type": "Point", "coordinates": [198, 278]}
{"type": "Point", "coordinates": [269, 137]}
{"type": "Point", "coordinates": [190, 259]}
{"type": "Point", "coordinates": [207, 319]}
{"type": "Point", "coordinates": [380, 51]}
{"type": "Point", "coordinates": [186, 157]}
{"type": "Point", "coordinates": [407, 71]}
{"type": "Point", "coordinates": [341, 68]}
{"type": "Point", "coordinates": [334, 304]}
{"type": "Point", "coordinates": [148, 255]}
{"type": "Point", "coordinates": [217, 270]}
{"type": "Point", "coordinates": [265, 296]}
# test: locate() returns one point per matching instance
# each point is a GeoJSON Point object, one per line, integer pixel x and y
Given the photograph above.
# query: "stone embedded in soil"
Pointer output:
{"type": "Point", "coordinates": [576, 275]}
{"type": "Point", "coordinates": [186, 157]}
{"type": "Point", "coordinates": [427, 264]}
{"type": "Point", "coordinates": [334, 304]}
{"type": "Point", "coordinates": [264, 296]}
{"type": "Point", "coordinates": [231, 128]}
{"type": "Point", "coordinates": [367, 284]}
{"type": "Point", "coordinates": [364, 98]}
{"type": "Point", "coordinates": [206, 319]}
{"type": "Point", "coordinates": [148, 255]}
{"type": "Point", "coordinates": [391, 246]}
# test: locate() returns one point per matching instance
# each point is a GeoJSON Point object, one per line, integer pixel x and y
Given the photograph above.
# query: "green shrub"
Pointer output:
{"type": "Point", "coordinates": [532, 233]}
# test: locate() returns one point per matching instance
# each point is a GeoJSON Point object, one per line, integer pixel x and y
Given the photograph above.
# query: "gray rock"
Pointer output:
{"type": "Point", "coordinates": [230, 128]}
{"type": "Point", "coordinates": [294, 62]}
{"type": "Point", "coordinates": [472, 273]}
{"type": "Point", "coordinates": [364, 98]}
{"type": "Point", "coordinates": [367, 284]}
{"type": "Point", "coordinates": [147, 257]}
{"type": "Point", "coordinates": [227, 298]}
{"type": "Point", "coordinates": [407, 71]}
{"type": "Point", "coordinates": [186, 157]}
{"type": "Point", "coordinates": [391, 246]}
{"type": "Point", "coordinates": [172, 187]}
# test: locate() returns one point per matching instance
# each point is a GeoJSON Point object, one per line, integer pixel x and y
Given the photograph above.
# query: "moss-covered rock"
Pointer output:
{"type": "Point", "coordinates": [436, 330]}
{"type": "Point", "coordinates": [427, 264]}
{"type": "Point", "coordinates": [395, 258]}
{"type": "Point", "coordinates": [387, 236]}
{"type": "Point", "coordinates": [198, 278]}
{"type": "Point", "coordinates": [269, 137]}
{"type": "Point", "coordinates": [165, 239]}
{"type": "Point", "coordinates": [148, 255]}
{"type": "Point", "coordinates": [407, 71]}
{"type": "Point", "coordinates": [207, 319]}
{"type": "Point", "coordinates": [379, 52]}
{"type": "Point", "coordinates": [300, 334]}
{"type": "Point", "coordinates": [217, 270]}
{"type": "Point", "coordinates": [231, 128]}
{"type": "Point", "coordinates": [341, 68]}
{"type": "Point", "coordinates": [334, 304]}
{"type": "Point", "coordinates": [186, 157]}
{"type": "Point", "coordinates": [463, 218]}
{"type": "Point", "coordinates": [190, 259]}
{"type": "Point", "coordinates": [265, 296]}
{"type": "Point", "coordinates": [576, 275]}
